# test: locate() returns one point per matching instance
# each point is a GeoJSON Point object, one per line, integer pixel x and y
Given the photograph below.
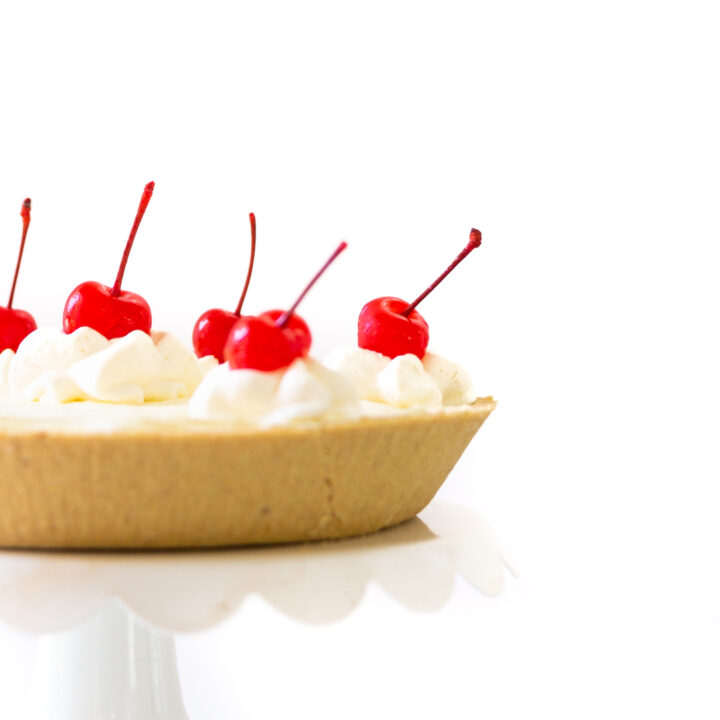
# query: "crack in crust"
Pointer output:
{"type": "Point", "coordinates": [330, 520]}
{"type": "Point", "coordinates": [331, 500]}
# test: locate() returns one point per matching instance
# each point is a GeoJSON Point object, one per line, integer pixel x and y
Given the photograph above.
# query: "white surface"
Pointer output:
{"type": "Point", "coordinates": [582, 139]}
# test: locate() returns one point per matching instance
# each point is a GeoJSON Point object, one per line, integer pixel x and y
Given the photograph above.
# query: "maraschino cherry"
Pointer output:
{"type": "Point", "coordinates": [111, 311]}
{"type": "Point", "coordinates": [16, 325]}
{"type": "Point", "coordinates": [213, 327]}
{"type": "Point", "coordinates": [394, 327]}
{"type": "Point", "coordinates": [273, 339]}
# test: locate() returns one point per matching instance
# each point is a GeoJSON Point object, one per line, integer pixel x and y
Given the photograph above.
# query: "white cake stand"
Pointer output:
{"type": "Point", "coordinates": [106, 619]}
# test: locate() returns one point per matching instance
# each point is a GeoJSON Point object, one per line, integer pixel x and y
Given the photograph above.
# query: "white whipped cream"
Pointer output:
{"type": "Point", "coordinates": [403, 383]}
{"type": "Point", "coordinates": [306, 390]}
{"type": "Point", "coordinates": [53, 367]}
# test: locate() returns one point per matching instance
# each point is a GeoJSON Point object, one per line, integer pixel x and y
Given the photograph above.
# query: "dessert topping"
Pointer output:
{"type": "Point", "coordinates": [113, 312]}
{"type": "Point", "coordinates": [275, 338]}
{"type": "Point", "coordinates": [306, 390]}
{"type": "Point", "coordinates": [55, 367]}
{"type": "Point", "coordinates": [16, 325]}
{"type": "Point", "coordinates": [213, 327]}
{"type": "Point", "coordinates": [393, 327]}
{"type": "Point", "coordinates": [405, 382]}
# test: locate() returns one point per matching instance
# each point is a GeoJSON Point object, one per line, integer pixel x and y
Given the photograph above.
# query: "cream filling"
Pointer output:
{"type": "Point", "coordinates": [90, 417]}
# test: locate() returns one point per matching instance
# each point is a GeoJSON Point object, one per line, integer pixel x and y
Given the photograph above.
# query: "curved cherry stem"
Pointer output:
{"type": "Point", "coordinates": [475, 240]}
{"type": "Point", "coordinates": [250, 266]}
{"type": "Point", "coordinates": [144, 200]}
{"type": "Point", "coordinates": [25, 214]}
{"type": "Point", "coordinates": [283, 320]}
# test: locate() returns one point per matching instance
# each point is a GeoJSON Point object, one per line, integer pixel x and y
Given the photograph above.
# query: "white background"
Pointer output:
{"type": "Point", "coordinates": [583, 139]}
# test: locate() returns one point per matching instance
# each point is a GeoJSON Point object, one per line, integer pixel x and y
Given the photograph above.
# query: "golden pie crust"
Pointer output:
{"type": "Point", "coordinates": [208, 486]}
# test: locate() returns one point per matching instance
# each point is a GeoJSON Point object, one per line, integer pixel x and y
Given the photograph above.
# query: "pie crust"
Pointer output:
{"type": "Point", "coordinates": [209, 485]}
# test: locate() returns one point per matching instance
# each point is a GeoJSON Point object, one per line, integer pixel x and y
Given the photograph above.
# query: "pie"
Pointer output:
{"type": "Point", "coordinates": [93, 475]}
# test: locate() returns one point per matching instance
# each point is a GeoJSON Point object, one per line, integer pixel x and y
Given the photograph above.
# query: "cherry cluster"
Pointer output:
{"type": "Point", "coordinates": [269, 341]}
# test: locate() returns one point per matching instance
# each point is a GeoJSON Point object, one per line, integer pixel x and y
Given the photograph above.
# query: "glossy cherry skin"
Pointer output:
{"type": "Point", "coordinates": [211, 332]}
{"type": "Point", "coordinates": [383, 328]}
{"type": "Point", "coordinates": [15, 326]}
{"type": "Point", "coordinates": [295, 327]}
{"type": "Point", "coordinates": [256, 343]}
{"type": "Point", "coordinates": [92, 304]}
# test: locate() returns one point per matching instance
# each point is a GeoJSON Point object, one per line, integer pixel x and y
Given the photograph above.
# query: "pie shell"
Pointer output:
{"type": "Point", "coordinates": [200, 485]}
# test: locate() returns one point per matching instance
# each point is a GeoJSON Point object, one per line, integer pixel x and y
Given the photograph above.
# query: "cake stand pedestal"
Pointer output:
{"type": "Point", "coordinates": [107, 619]}
{"type": "Point", "coordinates": [113, 666]}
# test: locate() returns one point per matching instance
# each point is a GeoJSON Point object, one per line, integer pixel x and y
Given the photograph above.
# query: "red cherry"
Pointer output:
{"type": "Point", "coordinates": [393, 327]}
{"type": "Point", "coordinates": [259, 344]}
{"type": "Point", "coordinates": [92, 304]}
{"type": "Point", "coordinates": [16, 325]}
{"type": "Point", "coordinates": [275, 338]}
{"type": "Point", "coordinates": [295, 327]}
{"type": "Point", "coordinates": [113, 312]}
{"type": "Point", "coordinates": [382, 327]}
{"type": "Point", "coordinates": [211, 332]}
{"type": "Point", "coordinates": [213, 327]}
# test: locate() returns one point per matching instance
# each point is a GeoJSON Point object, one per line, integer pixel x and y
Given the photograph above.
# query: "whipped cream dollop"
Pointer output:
{"type": "Point", "coordinates": [403, 383]}
{"type": "Point", "coordinates": [51, 366]}
{"type": "Point", "coordinates": [305, 390]}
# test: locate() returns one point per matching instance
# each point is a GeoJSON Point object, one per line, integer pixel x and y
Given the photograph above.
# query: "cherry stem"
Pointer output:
{"type": "Point", "coordinates": [144, 200]}
{"type": "Point", "coordinates": [250, 266]}
{"type": "Point", "coordinates": [25, 214]}
{"type": "Point", "coordinates": [283, 320]}
{"type": "Point", "coordinates": [475, 240]}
